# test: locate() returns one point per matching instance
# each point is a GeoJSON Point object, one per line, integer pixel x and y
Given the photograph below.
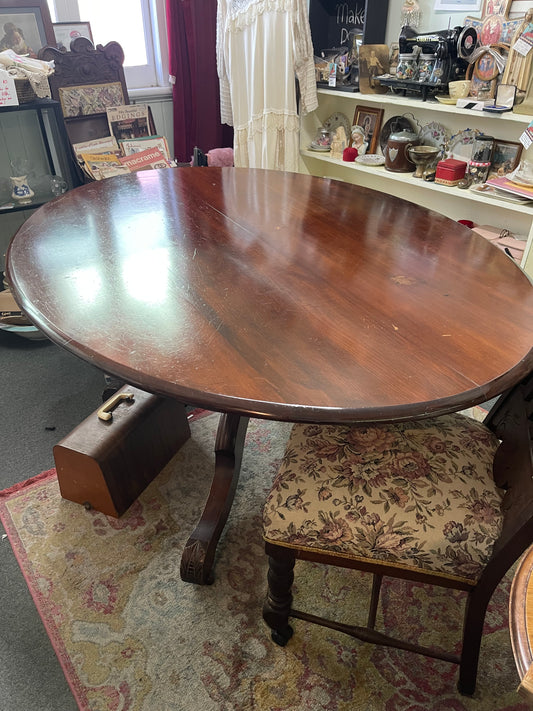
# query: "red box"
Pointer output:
{"type": "Point", "coordinates": [450, 171]}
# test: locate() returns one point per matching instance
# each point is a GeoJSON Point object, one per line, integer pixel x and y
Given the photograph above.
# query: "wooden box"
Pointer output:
{"type": "Point", "coordinates": [105, 465]}
{"type": "Point", "coordinates": [450, 171]}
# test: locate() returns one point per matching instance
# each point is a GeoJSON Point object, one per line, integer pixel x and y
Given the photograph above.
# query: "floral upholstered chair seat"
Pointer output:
{"type": "Point", "coordinates": [414, 494]}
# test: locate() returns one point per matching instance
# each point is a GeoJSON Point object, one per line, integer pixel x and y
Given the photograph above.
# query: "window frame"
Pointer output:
{"type": "Point", "coordinates": [153, 75]}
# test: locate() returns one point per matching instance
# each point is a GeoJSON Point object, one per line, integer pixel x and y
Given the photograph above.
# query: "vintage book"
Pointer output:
{"type": "Point", "coordinates": [108, 144]}
{"type": "Point", "coordinates": [136, 145]}
{"type": "Point", "coordinates": [102, 165]}
{"type": "Point", "coordinates": [145, 160]}
{"type": "Point", "coordinates": [129, 121]}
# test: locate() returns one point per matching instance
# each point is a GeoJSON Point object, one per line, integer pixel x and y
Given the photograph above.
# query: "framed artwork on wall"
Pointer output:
{"type": "Point", "coordinates": [457, 5]}
{"type": "Point", "coordinates": [65, 32]}
{"type": "Point", "coordinates": [369, 118]}
{"type": "Point", "coordinates": [25, 26]}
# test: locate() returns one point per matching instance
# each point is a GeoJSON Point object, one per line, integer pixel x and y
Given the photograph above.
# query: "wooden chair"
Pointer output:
{"type": "Point", "coordinates": [445, 500]}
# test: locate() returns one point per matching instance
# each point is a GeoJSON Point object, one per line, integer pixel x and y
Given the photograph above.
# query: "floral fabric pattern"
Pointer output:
{"type": "Point", "coordinates": [414, 494]}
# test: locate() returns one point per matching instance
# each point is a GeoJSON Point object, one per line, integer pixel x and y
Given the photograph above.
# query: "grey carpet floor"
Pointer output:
{"type": "Point", "coordinates": [44, 393]}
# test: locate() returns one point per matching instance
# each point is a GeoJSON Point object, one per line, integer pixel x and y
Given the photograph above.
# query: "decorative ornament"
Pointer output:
{"type": "Point", "coordinates": [21, 191]}
{"type": "Point", "coordinates": [410, 14]}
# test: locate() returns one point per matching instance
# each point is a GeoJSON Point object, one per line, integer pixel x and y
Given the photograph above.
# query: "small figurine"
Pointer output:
{"type": "Point", "coordinates": [358, 140]}
{"type": "Point", "coordinates": [339, 143]}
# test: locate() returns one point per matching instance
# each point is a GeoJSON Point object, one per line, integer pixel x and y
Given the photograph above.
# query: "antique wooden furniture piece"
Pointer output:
{"type": "Point", "coordinates": [444, 500]}
{"type": "Point", "coordinates": [521, 624]}
{"type": "Point", "coordinates": [112, 456]}
{"type": "Point", "coordinates": [86, 80]}
{"type": "Point", "coordinates": [274, 295]}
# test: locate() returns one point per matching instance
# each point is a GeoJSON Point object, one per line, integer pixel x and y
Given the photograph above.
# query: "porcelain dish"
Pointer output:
{"type": "Point", "coordinates": [370, 159]}
{"type": "Point", "coordinates": [446, 99]}
{"type": "Point", "coordinates": [436, 135]}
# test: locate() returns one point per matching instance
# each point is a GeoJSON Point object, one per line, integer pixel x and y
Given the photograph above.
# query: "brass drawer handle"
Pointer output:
{"type": "Point", "coordinates": [105, 413]}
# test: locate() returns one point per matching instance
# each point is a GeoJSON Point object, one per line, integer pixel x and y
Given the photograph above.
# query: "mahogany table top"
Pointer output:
{"type": "Point", "coordinates": [275, 295]}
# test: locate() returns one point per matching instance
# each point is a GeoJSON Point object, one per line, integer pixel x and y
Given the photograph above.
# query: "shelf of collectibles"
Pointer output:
{"type": "Point", "coordinates": [450, 129]}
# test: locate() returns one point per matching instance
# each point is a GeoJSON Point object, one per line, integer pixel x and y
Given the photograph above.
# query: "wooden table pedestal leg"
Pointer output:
{"type": "Point", "coordinates": [199, 552]}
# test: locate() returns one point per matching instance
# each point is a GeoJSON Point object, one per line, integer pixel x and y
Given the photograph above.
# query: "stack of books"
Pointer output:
{"type": "Point", "coordinates": [129, 147]}
{"type": "Point", "coordinates": [521, 191]}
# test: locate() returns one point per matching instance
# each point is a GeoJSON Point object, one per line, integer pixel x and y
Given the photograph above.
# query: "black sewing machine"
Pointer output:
{"type": "Point", "coordinates": [452, 48]}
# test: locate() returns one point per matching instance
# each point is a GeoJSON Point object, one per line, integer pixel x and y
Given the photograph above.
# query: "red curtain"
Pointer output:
{"type": "Point", "coordinates": [192, 58]}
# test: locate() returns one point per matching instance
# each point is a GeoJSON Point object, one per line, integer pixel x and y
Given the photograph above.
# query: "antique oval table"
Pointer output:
{"type": "Point", "coordinates": [273, 295]}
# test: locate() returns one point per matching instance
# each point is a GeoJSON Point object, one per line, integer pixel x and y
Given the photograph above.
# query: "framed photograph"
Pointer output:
{"type": "Point", "coordinates": [369, 119]}
{"type": "Point", "coordinates": [89, 99]}
{"type": "Point", "coordinates": [374, 59]}
{"type": "Point", "coordinates": [25, 26]}
{"type": "Point", "coordinates": [505, 156]}
{"type": "Point", "coordinates": [457, 5]}
{"type": "Point", "coordinates": [65, 32]}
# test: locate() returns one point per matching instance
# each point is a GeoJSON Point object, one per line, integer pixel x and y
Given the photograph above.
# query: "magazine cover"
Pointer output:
{"type": "Point", "coordinates": [509, 186]}
{"type": "Point", "coordinates": [136, 145]}
{"type": "Point", "coordinates": [97, 145]}
{"type": "Point", "coordinates": [127, 122]}
{"type": "Point", "coordinates": [102, 165]}
{"type": "Point", "coordinates": [145, 160]}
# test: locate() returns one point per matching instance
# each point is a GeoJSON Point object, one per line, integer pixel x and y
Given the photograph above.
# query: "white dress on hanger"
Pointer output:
{"type": "Point", "coordinates": [261, 46]}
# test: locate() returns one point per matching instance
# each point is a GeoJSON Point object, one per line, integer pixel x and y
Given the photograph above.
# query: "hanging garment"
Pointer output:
{"type": "Point", "coordinates": [261, 46]}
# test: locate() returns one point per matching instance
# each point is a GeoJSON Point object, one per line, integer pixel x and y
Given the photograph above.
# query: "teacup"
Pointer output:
{"type": "Point", "coordinates": [459, 89]}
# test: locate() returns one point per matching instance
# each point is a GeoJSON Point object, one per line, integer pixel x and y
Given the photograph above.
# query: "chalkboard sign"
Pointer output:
{"type": "Point", "coordinates": [334, 23]}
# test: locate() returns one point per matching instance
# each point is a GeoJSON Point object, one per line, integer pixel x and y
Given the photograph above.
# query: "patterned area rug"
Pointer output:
{"type": "Point", "coordinates": [132, 636]}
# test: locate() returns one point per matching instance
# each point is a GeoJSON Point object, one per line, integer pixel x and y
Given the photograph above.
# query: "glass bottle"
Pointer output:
{"type": "Point", "coordinates": [479, 163]}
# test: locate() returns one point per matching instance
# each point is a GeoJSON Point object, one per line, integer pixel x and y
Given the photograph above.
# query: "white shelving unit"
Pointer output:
{"type": "Point", "coordinates": [453, 202]}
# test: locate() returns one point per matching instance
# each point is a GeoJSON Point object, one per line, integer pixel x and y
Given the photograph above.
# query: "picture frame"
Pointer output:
{"type": "Point", "coordinates": [65, 32]}
{"type": "Point", "coordinates": [29, 26]}
{"type": "Point", "coordinates": [90, 99]}
{"type": "Point", "coordinates": [505, 156]}
{"type": "Point", "coordinates": [457, 5]}
{"type": "Point", "coordinates": [374, 59]}
{"type": "Point", "coordinates": [369, 118]}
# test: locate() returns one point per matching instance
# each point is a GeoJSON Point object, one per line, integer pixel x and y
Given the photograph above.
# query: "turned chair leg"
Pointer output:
{"type": "Point", "coordinates": [472, 635]}
{"type": "Point", "coordinates": [374, 600]}
{"type": "Point", "coordinates": [277, 606]}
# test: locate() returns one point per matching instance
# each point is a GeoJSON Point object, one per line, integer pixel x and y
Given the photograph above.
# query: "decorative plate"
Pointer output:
{"type": "Point", "coordinates": [460, 145]}
{"type": "Point", "coordinates": [322, 149]}
{"type": "Point", "coordinates": [370, 159]}
{"type": "Point", "coordinates": [446, 99]}
{"type": "Point", "coordinates": [436, 135]}
{"type": "Point", "coordinates": [338, 119]}
{"type": "Point", "coordinates": [394, 124]}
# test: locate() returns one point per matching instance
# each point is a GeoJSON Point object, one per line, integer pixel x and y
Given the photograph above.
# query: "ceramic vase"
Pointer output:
{"type": "Point", "coordinates": [21, 191]}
